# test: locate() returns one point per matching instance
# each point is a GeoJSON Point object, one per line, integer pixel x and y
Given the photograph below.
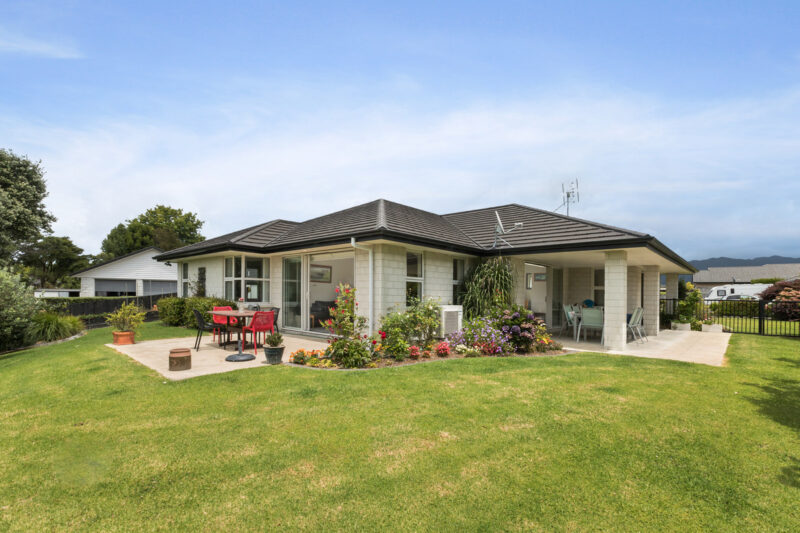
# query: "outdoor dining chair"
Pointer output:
{"type": "Point", "coordinates": [202, 326]}
{"type": "Point", "coordinates": [639, 325]}
{"type": "Point", "coordinates": [591, 319]}
{"type": "Point", "coordinates": [262, 322]}
{"type": "Point", "coordinates": [221, 322]}
{"type": "Point", "coordinates": [633, 323]}
{"type": "Point", "coordinates": [569, 319]}
{"type": "Point", "coordinates": [277, 311]}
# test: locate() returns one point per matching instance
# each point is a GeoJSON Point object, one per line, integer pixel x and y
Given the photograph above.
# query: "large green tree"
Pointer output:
{"type": "Point", "coordinates": [51, 260]}
{"type": "Point", "coordinates": [23, 217]}
{"type": "Point", "coordinates": [161, 226]}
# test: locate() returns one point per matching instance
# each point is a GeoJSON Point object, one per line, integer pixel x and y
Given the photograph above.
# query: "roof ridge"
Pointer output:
{"type": "Point", "coordinates": [382, 213]}
{"type": "Point", "coordinates": [442, 217]}
{"type": "Point", "coordinates": [252, 230]}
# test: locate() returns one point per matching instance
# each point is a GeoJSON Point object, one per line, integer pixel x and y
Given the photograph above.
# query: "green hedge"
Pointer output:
{"type": "Point", "coordinates": [180, 311]}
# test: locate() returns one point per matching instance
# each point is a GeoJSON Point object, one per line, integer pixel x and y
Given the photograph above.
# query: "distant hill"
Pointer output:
{"type": "Point", "coordinates": [702, 264]}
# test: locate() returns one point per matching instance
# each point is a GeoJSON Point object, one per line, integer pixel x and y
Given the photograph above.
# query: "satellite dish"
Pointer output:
{"type": "Point", "coordinates": [499, 231]}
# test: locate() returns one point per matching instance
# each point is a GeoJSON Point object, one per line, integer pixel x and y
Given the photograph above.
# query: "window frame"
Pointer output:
{"type": "Point", "coordinates": [416, 280]}
{"type": "Point", "coordinates": [238, 265]}
{"type": "Point", "coordinates": [458, 283]}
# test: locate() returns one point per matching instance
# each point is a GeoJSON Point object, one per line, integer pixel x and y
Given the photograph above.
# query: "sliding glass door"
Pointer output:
{"type": "Point", "coordinates": [292, 292]}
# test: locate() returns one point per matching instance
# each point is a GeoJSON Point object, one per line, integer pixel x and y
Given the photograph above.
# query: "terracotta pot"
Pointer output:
{"type": "Point", "coordinates": [123, 337]}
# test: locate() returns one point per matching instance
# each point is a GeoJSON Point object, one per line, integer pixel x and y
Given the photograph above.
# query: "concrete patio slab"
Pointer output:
{"type": "Point", "coordinates": [209, 359]}
{"type": "Point", "coordinates": [689, 346]}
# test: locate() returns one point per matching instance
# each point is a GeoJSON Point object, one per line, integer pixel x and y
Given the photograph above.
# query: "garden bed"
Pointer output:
{"type": "Point", "coordinates": [386, 362]}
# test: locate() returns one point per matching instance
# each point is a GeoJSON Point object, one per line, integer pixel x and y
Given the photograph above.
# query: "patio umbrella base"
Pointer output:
{"type": "Point", "coordinates": [240, 357]}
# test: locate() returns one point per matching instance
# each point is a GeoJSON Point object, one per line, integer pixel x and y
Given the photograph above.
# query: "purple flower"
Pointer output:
{"type": "Point", "coordinates": [530, 316]}
{"type": "Point", "coordinates": [515, 330]}
{"type": "Point", "coordinates": [515, 315]}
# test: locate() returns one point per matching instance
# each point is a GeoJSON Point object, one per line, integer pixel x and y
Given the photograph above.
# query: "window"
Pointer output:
{"type": "Point", "coordinates": [599, 287]}
{"type": "Point", "coordinates": [185, 280]}
{"type": "Point", "coordinates": [255, 281]}
{"type": "Point", "coordinates": [732, 291]}
{"type": "Point", "coordinates": [529, 280]}
{"type": "Point", "coordinates": [414, 276]}
{"type": "Point", "coordinates": [200, 289]}
{"type": "Point", "coordinates": [458, 280]}
{"type": "Point", "coordinates": [721, 293]}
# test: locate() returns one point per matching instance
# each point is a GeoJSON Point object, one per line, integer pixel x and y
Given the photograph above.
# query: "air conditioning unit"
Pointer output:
{"type": "Point", "coordinates": [450, 321]}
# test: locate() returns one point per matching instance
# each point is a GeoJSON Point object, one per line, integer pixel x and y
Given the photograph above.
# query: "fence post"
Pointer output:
{"type": "Point", "coordinates": [761, 315]}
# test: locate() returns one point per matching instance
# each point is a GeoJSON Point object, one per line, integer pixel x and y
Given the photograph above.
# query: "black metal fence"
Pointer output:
{"type": "Point", "coordinates": [760, 317]}
{"type": "Point", "coordinates": [93, 310]}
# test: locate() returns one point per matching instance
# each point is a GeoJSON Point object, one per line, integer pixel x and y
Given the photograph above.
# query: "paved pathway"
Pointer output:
{"type": "Point", "coordinates": [690, 346]}
{"type": "Point", "coordinates": [210, 359]}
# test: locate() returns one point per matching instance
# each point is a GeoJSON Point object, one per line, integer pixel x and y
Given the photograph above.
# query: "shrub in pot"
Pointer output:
{"type": "Point", "coordinates": [273, 348]}
{"type": "Point", "coordinates": [125, 321]}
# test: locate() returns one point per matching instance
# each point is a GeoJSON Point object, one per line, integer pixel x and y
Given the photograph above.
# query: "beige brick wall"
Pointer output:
{"type": "Point", "coordinates": [579, 285]}
{"type": "Point", "coordinates": [651, 289]}
{"type": "Point", "coordinates": [634, 288]}
{"type": "Point", "coordinates": [616, 305]}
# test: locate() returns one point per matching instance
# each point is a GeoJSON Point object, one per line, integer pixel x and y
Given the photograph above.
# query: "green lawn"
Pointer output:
{"type": "Point", "coordinates": [92, 440]}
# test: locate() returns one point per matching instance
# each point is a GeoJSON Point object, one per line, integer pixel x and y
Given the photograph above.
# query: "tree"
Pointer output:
{"type": "Point", "coordinates": [51, 260]}
{"type": "Point", "coordinates": [23, 216]}
{"type": "Point", "coordinates": [162, 226]}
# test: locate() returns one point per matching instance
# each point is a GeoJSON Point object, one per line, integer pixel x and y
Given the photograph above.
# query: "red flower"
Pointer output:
{"type": "Point", "coordinates": [374, 342]}
{"type": "Point", "coordinates": [337, 289]}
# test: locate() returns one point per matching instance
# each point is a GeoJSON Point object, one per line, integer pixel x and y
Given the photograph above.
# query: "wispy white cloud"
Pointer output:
{"type": "Point", "coordinates": [703, 180]}
{"type": "Point", "coordinates": [18, 44]}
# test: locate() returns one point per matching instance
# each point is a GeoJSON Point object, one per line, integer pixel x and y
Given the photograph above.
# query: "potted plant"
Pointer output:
{"type": "Point", "coordinates": [125, 321]}
{"type": "Point", "coordinates": [273, 348]}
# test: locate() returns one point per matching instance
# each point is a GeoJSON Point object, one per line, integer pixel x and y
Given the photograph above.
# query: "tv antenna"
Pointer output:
{"type": "Point", "coordinates": [569, 195]}
{"type": "Point", "coordinates": [499, 231]}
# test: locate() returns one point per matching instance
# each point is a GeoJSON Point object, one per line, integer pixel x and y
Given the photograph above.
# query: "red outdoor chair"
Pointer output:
{"type": "Point", "coordinates": [262, 322]}
{"type": "Point", "coordinates": [221, 322]}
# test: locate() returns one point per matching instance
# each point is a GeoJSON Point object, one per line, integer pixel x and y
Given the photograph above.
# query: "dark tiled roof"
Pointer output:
{"type": "Point", "coordinates": [254, 237]}
{"type": "Point", "coordinates": [467, 231]}
{"type": "Point", "coordinates": [379, 216]}
{"type": "Point", "coordinates": [539, 228]}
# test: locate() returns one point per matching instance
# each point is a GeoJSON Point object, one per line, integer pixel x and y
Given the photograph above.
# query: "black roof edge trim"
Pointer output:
{"type": "Point", "coordinates": [170, 256]}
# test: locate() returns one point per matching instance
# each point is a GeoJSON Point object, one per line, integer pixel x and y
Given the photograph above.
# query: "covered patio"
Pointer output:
{"type": "Point", "coordinates": [617, 280]}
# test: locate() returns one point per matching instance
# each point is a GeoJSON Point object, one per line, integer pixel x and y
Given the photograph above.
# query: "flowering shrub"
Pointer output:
{"type": "Point", "coordinates": [350, 347]}
{"type": "Point", "coordinates": [416, 325]}
{"type": "Point", "coordinates": [443, 349]}
{"type": "Point", "coordinates": [785, 306]}
{"type": "Point", "coordinates": [508, 330]}
{"type": "Point", "coordinates": [300, 357]}
{"type": "Point", "coordinates": [414, 352]}
{"type": "Point", "coordinates": [526, 332]}
{"type": "Point", "coordinates": [481, 333]}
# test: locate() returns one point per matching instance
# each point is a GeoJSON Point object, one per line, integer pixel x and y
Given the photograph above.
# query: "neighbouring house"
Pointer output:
{"type": "Point", "coordinates": [56, 293]}
{"type": "Point", "coordinates": [133, 274]}
{"type": "Point", "coordinates": [391, 252]}
{"type": "Point", "coordinates": [714, 276]}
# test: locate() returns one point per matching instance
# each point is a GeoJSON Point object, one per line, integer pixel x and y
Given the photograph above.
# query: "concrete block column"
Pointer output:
{"type": "Point", "coordinates": [651, 297]}
{"type": "Point", "coordinates": [634, 288]}
{"type": "Point", "coordinates": [672, 292]}
{"type": "Point", "coordinates": [616, 287]}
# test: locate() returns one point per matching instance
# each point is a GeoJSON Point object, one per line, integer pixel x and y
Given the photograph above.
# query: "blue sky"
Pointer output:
{"type": "Point", "coordinates": [680, 119]}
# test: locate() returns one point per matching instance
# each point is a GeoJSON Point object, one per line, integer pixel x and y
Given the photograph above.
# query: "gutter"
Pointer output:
{"type": "Point", "coordinates": [371, 281]}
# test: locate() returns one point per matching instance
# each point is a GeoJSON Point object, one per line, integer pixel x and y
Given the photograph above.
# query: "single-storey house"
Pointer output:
{"type": "Point", "coordinates": [713, 276]}
{"type": "Point", "coordinates": [390, 251]}
{"type": "Point", "coordinates": [133, 274]}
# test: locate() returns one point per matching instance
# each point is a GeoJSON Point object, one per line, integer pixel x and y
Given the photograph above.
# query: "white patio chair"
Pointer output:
{"type": "Point", "coordinates": [633, 323]}
{"type": "Point", "coordinates": [569, 319]}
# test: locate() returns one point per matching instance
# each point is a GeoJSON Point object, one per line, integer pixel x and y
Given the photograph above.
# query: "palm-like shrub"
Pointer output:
{"type": "Point", "coordinates": [48, 326]}
{"type": "Point", "coordinates": [487, 286]}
